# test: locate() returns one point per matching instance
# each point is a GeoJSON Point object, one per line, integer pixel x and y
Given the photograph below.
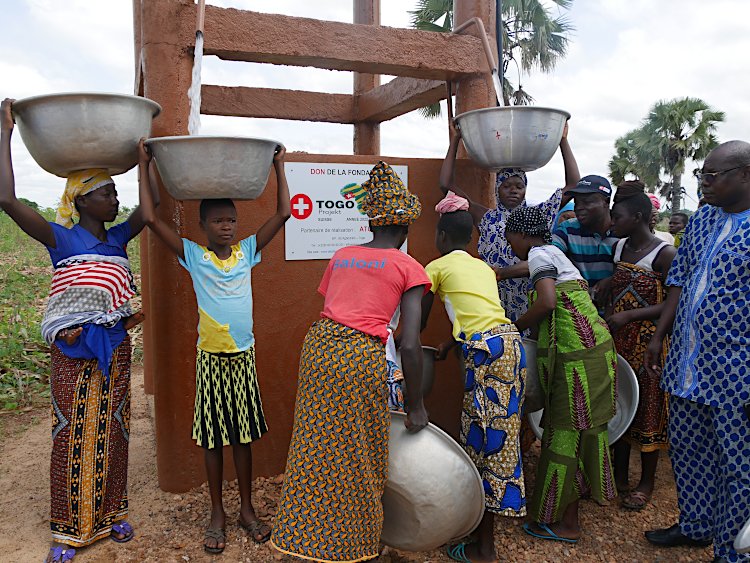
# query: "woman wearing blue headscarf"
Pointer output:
{"type": "Point", "coordinates": [510, 193]}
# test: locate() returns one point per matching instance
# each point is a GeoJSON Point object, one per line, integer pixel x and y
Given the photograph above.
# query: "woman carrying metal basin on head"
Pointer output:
{"type": "Point", "coordinates": [510, 192]}
{"type": "Point", "coordinates": [85, 324]}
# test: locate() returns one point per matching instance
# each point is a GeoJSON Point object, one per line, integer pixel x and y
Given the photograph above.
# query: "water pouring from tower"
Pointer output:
{"type": "Point", "coordinates": [194, 93]}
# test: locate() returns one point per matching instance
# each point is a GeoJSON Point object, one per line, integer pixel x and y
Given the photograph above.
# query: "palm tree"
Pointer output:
{"type": "Point", "coordinates": [627, 161]}
{"type": "Point", "coordinates": [532, 39]}
{"type": "Point", "coordinates": [673, 132]}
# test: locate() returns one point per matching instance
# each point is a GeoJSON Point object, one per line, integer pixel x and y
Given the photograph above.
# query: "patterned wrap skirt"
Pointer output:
{"type": "Point", "coordinates": [495, 365]}
{"type": "Point", "coordinates": [577, 363]}
{"type": "Point", "coordinates": [634, 287]}
{"type": "Point", "coordinates": [330, 507]}
{"type": "Point", "coordinates": [227, 409]}
{"type": "Point", "coordinates": [90, 435]}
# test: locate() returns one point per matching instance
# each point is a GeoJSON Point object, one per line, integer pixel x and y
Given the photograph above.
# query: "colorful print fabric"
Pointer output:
{"type": "Point", "coordinates": [330, 508]}
{"type": "Point", "coordinates": [494, 249]}
{"type": "Point", "coordinates": [634, 287]}
{"type": "Point", "coordinates": [572, 465]}
{"type": "Point", "coordinates": [710, 453]}
{"type": "Point", "coordinates": [709, 356]}
{"type": "Point", "coordinates": [228, 409]}
{"type": "Point", "coordinates": [395, 387]}
{"type": "Point", "coordinates": [495, 365]}
{"type": "Point", "coordinates": [388, 200]}
{"type": "Point", "coordinates": [577, 362]}
{"type": "Point", "coordinates": [90, 437]}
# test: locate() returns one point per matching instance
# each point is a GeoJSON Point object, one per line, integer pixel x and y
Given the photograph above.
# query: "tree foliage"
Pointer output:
{"type": "Point", "coordinates": [672, 133]}
{"type": "Point", "coordinates": [533, 39]}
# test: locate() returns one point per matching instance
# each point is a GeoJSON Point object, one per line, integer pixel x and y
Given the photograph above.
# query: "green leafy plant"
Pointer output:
{"type": "Point", "coordinates": [533, 39]}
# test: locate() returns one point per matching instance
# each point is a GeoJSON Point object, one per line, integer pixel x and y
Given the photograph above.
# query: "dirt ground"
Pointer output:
{"type": "Point", "coordinates": [170, 527]}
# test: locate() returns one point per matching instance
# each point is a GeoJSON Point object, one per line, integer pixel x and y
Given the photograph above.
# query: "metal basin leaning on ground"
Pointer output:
{"type": "Point", "coordinates": [203, 167]}
{"type": "Point", "coordinates": [626, 406]}
{"type": "Point", "coordinates": [428, 368]}
{"type": "Point", "coordinates": [512, 137]}
{"type": "Point", "coordinates": [742, 541]}
{"type": "Point", "coordinates": [434, 493]}
{"type": "Point", "coordinates": [78, 130]}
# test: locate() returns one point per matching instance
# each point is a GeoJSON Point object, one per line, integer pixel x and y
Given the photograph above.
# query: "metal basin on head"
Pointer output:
{"type": "Point", "coordinates": [78, 130]}
{"type": "Point", "coordinates": [206, 167]}
{"type": "Point", "coordinates": [628, 394]}
{"type": "Point", "coordinates": [433, 494]}
{"type": "Point", "coordinates": [512, 137]}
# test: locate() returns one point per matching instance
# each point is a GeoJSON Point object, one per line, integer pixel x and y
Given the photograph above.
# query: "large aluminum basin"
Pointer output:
{"type": "Point", "coordinates": [512, 137]}
{"type": "Point", "coordinates": [742, 541]}
{"type": "Point", "coordinates": [73, 131]}
{"type": "Point", "coordinates": [626, 405]}
{"type": "Point", "coordinates": [207, 167]}
{"type": "Point", "coordinates": [433, 494]}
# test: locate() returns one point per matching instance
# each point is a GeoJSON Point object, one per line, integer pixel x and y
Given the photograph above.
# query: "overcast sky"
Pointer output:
{"type": "Point", "coordinates": [624, 56]}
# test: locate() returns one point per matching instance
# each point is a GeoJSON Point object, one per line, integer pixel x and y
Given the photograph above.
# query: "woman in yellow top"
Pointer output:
{"type": "Point", "coordinates": [495, 366]}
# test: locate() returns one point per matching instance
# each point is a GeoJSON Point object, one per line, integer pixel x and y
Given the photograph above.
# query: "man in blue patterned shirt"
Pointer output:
{"type": "Point", "coordinates": [707, 371]}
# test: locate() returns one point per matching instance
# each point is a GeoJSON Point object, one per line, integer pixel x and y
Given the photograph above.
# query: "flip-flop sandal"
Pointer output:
{"type": "Point", "coordinates": [458, 553]}
{"type": "Point", "coordinates": [214, 534]}
{"type": "Point", "coordinates": [123, 528]}
{"type": "Point", "coordinates": [60, 555]}
{"type": "Point", "coordinates": [552, 535]}
{"type": "Point", "coordinates": [255, 529]}
{"type": "Point", "coordinates": [636, 500]}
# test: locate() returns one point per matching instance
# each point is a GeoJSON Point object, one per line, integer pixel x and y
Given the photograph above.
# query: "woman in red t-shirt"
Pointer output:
{"type": "Point", "coordinates": [330, 507]}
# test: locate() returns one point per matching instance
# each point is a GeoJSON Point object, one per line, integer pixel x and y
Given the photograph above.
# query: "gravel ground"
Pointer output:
{"type": "Point", "coordinates": [170, 527]}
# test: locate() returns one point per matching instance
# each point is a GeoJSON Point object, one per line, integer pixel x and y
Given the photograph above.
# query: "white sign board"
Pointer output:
{"type": "Point", "coordinates": [325, 212]}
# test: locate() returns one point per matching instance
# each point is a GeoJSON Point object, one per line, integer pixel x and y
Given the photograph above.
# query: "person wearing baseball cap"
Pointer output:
{"type": "Point", "coordinates": [587, 240]}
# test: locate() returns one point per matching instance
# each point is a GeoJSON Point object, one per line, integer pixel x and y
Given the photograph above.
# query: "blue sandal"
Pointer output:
{"type": "Point", "coordinates": [60, 554]}
{"type": "Point", "coordinates": [552, 535]}
{"type": "Point", "coordinates": [458, 553]}
{"type": "Point", "coordinates": [122, 527]}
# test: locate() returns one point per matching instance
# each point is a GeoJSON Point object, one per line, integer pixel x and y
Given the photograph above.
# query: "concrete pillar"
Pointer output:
{"type": "Point", "coordinates": [170, 355]}
{"type": "Point", "coordinates": [366, 133]}
{"type": "Point", "coordinates": [148, 383]}
{"type": "Point", "coordinates": [477, 92]}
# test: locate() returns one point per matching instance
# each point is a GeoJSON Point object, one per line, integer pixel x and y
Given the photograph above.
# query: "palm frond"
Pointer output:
{"type": "Point", "coordinates": [532, 36]}
{"type": "Point", "coordinates": [432, 111]}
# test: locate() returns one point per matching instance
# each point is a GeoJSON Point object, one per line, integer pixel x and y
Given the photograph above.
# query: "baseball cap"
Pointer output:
{"type": "Point", "coordinates": [592, 185]}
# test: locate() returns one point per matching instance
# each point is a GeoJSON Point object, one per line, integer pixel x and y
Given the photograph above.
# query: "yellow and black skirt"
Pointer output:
{"type": "Point", "coordinates": [330, 507]}
{"type": "Point", "coordinates": [227, 409]}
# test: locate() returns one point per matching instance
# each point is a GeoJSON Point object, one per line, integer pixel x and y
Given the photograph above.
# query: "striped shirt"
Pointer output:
{"type": "Point", "coordinates": [590, 252]}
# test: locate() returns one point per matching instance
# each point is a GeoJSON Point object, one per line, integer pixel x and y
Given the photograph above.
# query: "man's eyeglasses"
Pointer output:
{"type": "Point", "coordinates": [709, 177]}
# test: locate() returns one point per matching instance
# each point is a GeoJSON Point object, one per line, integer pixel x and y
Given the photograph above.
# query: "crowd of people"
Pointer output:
{"type": "Point", "coordinates": [586, 279]}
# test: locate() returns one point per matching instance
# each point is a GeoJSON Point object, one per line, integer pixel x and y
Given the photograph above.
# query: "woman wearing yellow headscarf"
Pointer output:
{"type": "Point", "coordinates": [86, 327]}
{"type": "Point", "coordinates": [330, 507]}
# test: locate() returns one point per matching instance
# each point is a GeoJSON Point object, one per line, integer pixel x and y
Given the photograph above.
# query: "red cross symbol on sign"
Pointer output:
{"type": "Point", "coordinates": [302, 206]}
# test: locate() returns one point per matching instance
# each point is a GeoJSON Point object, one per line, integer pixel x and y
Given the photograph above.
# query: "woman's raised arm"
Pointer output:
{"type": "Point", "coordinates": [31, 222]}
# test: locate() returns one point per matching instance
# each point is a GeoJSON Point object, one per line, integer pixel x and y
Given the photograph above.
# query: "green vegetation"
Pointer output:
{"type": "Point", "coordinates": [672, 132]}
{"type": "Point", "coordinates": [533, 38]}
{"type": "Point", "coordinates": [24, 281]}
{"type": "Point", "coordinates": [25, 275]}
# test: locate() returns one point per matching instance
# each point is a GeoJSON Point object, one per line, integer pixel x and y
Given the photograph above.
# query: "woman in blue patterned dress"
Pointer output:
{"type": "Point", "coordinates": [510, 192]}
